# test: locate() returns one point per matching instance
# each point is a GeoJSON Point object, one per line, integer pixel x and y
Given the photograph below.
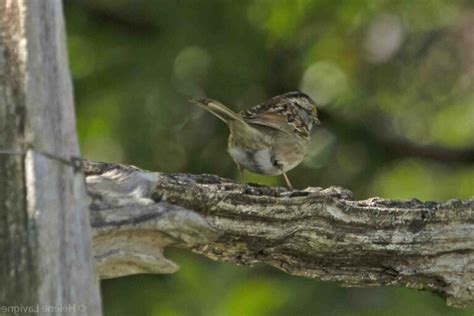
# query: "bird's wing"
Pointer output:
{"type": "Point", "coordinates": [271, 120]}
{"type": "Point", "coordinates": [278, 113]}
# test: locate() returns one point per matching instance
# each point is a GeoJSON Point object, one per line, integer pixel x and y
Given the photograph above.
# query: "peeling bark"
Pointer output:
{"type": "Point", "coordinates": [316, 233]}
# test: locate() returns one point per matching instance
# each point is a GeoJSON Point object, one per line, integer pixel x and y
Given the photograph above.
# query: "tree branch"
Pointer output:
{"type": "Point", "coordinates": [316, 233]}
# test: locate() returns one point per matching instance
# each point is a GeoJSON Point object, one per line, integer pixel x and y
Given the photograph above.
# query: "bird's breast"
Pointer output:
{"type": "Point", "coordinates": [265, 150]}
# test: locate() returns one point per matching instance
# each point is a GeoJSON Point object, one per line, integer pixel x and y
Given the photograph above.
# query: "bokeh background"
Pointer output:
{"type": "Point", "coordinates": [394, 83]}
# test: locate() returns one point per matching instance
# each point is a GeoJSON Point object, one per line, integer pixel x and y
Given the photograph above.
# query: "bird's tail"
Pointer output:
{"type": "Point", "coordinates": [218, 109]}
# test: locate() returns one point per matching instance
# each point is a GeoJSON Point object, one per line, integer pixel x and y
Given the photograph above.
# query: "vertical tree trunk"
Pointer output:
{"type": "Point", "coordinates": [46, 262]}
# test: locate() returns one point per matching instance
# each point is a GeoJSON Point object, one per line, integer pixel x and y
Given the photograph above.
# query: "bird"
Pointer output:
{"type": "Point", "coordinates": [270, 138]}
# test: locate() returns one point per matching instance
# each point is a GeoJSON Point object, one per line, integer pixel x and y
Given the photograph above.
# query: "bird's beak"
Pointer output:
{"type": "Point", "coordinates": [316, 121]}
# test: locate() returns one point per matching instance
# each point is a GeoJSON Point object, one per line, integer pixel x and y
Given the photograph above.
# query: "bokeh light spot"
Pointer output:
{"type": "Point", "coordinates": [324, 81]}
{"type": "Point", "coordinates": [384, 37]}
{"type": "Point", "coordinates": [191, 69]}
{"type": "Point", "coordinates": [192, 62]}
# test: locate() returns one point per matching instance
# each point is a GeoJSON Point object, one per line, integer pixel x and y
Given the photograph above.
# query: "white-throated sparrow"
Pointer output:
{"type": "Point", "coordinates": [270, 138]}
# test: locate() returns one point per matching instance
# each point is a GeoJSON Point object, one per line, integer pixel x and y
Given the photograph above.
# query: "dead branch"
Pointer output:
{"type": "Point", "coordinates": [315, 233]}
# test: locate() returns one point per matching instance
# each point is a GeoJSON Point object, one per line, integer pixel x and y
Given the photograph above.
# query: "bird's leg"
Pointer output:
{"type": "Point", "coordinates": [241, 172]}
{"type": "Point", "coordinates": [288, 183]}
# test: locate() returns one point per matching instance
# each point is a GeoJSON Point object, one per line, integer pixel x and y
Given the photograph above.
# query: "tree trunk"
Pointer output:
{"type": "Point", "coordinates": [46, 265]}
{"type": "Point", "coordinates": [315, 233]}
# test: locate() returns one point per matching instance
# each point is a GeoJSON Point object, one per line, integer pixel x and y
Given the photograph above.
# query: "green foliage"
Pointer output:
{"type": "Point", "coordinates": [378, 70]}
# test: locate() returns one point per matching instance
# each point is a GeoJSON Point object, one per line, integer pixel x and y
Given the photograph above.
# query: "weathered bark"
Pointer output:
{"type": "Point", "coordinates": [45, 244]}
{"type": "Point", "coordinates": [316, 233]}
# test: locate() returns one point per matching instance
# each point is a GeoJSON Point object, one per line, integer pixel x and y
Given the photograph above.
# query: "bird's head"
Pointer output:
{"type": "Point", "coordinates": [309, 113]}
